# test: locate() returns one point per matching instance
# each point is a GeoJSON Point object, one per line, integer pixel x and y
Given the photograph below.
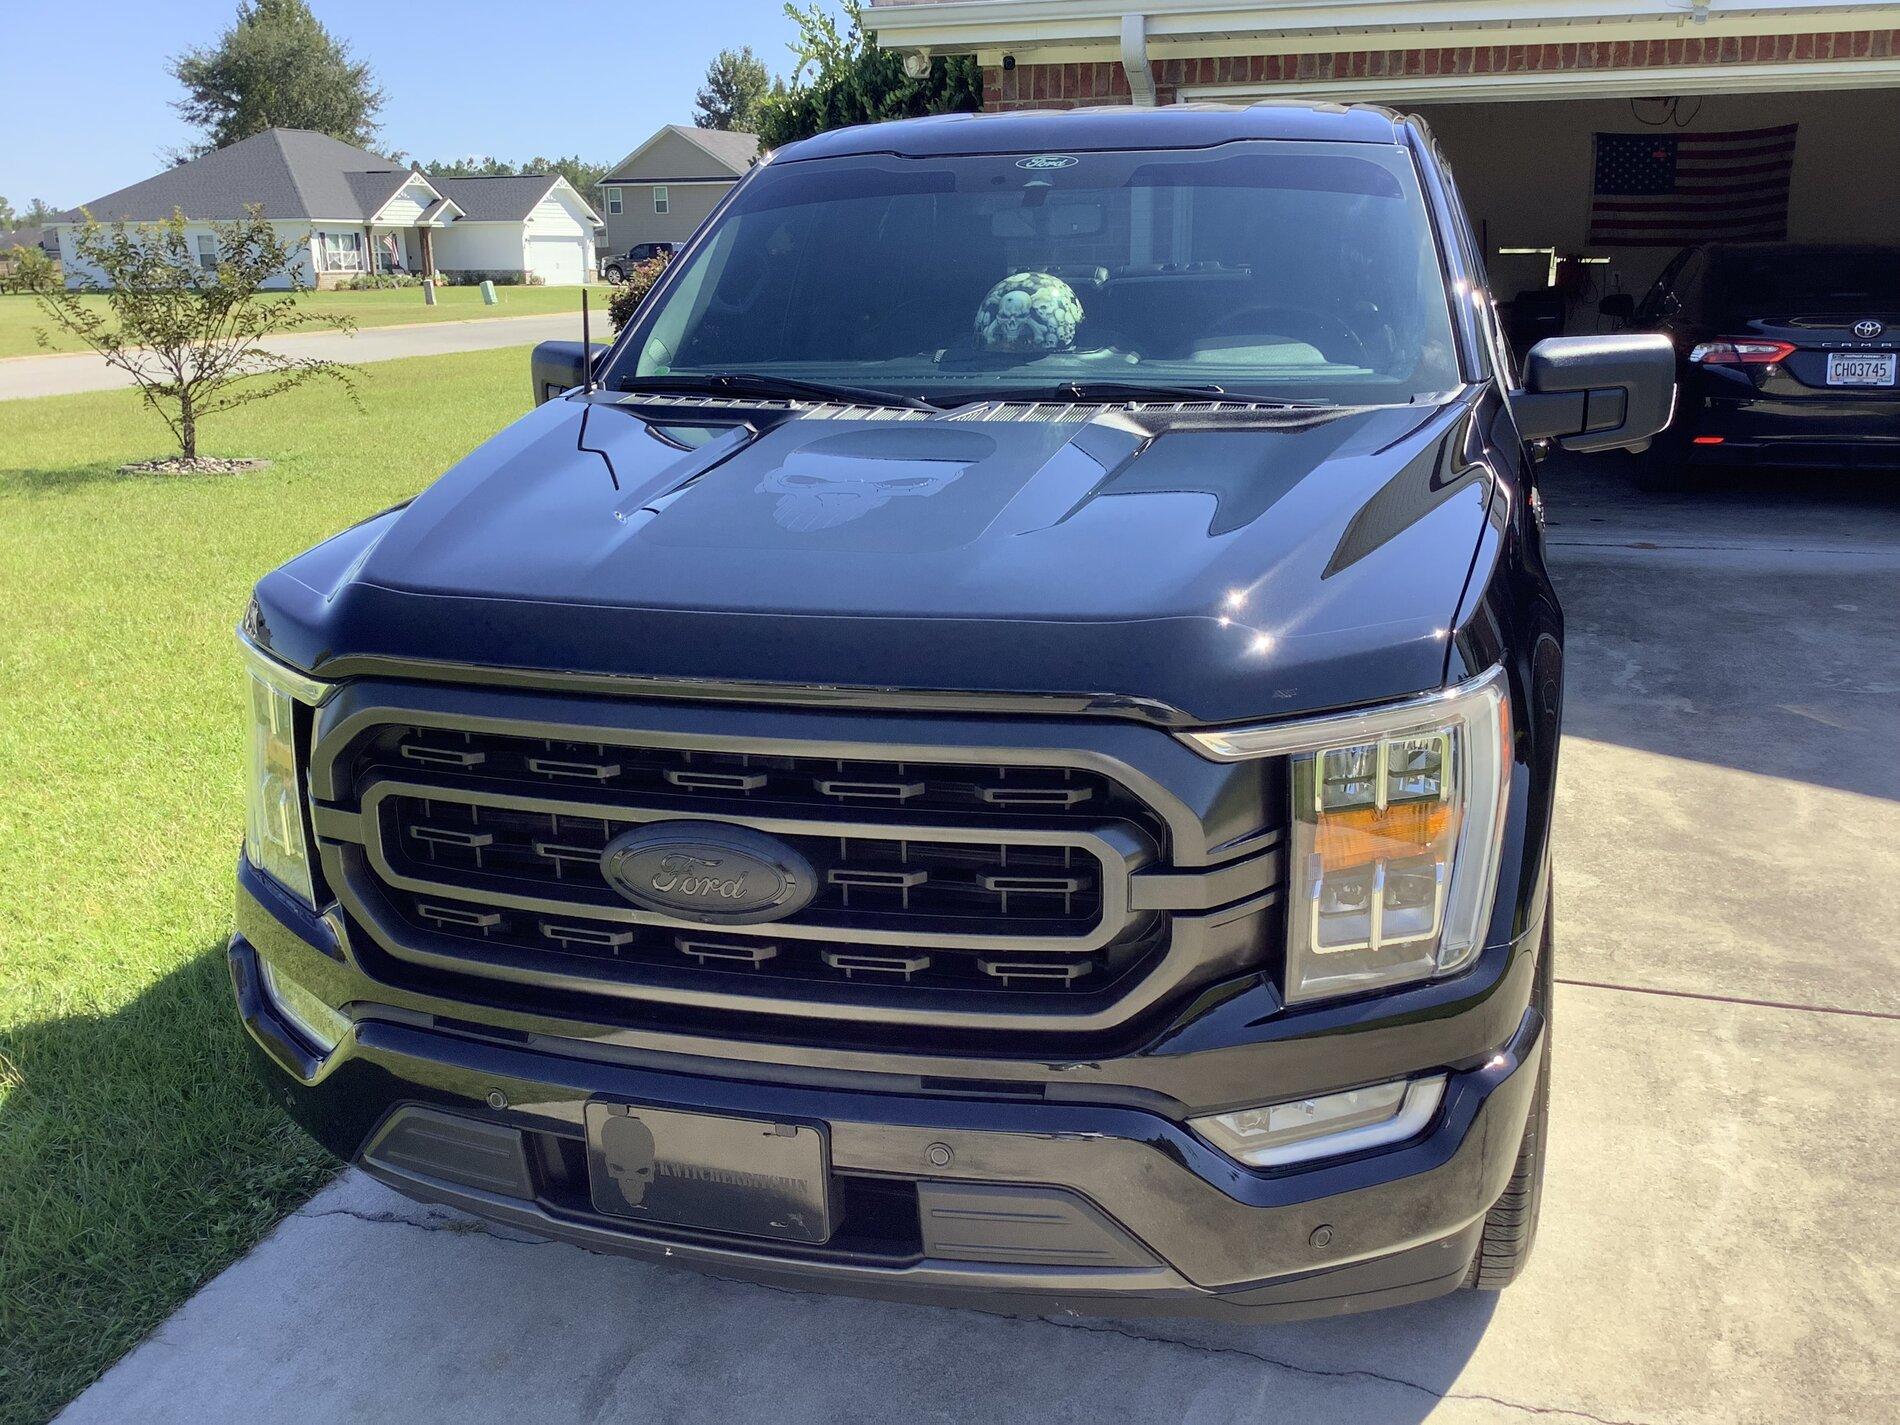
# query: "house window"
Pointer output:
{"type": "Point", "coordinates": [339, 252]}
{"type": "Point", "coordinates": [208, 252]}
{"type": "Point", "coordinates": [660, 203]}
{"type": "Point", "coordinates": [613, 202]}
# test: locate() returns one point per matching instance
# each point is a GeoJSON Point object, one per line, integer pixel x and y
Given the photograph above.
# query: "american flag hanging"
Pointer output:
{"type": "Point", "coordinates": [1670, 189]}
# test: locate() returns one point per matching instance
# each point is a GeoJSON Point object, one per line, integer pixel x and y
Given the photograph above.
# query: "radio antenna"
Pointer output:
{"type": "Point", "coordinates": [587, 348]}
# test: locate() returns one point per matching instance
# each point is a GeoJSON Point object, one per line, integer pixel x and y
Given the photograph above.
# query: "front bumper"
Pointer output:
{"type": "Point", "coordinates": [1004, 1195]}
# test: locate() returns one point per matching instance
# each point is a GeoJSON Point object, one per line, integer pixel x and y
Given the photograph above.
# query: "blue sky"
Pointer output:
{"type": "Point", "coordinates": [88, 98]}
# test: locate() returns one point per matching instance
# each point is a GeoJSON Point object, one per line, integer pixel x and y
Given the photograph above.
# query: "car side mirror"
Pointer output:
{"type": "Point", "coordinates": [1597, 392]}
{"type": "Point", "coordinates": [558, 366]}
{"type": "Point", "coordinates": [1618, 306]}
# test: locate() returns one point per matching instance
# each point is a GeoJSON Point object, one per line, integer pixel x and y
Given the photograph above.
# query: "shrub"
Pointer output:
{"type": "Point", "coordinates": [27, 269]}
{"type": "Point", "coordinates": [504, 277]}
{"type": "Point", "coordinates": [381, 281]}
{"type": "Point", "coordinates": [626, 298]}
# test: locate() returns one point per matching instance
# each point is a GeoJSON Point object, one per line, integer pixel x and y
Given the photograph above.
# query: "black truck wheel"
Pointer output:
{"type": "Point", "coordinates": [616, 276]}
{"type": "Point", "coordinates": [1510, 1227]}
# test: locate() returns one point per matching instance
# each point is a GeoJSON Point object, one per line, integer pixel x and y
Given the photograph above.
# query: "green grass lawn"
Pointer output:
{"type": "Point", "coordinates": [137, 1155]}
{"type": "Point", "coordinates": [19, 316]}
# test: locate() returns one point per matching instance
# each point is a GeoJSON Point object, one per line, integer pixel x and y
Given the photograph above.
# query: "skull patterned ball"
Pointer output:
{"type": "Point", "coordinates": [1031, 311]}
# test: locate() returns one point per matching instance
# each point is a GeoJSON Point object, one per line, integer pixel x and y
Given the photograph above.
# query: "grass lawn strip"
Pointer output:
{"type": "Point", "coordinates": [138, 1156]}
{"type": "Point", "coordinates": [20, 316]}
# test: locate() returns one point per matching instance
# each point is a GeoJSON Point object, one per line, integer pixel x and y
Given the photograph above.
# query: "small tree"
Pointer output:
{"type": "Point", "coordinates": [191, 337]}
{"type": "Point", "coordinates": [852, 81]}
{"type": "Point", "coordinates": [735, 83]}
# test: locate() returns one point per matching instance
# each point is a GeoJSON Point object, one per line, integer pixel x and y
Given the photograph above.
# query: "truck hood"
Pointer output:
{"type": "Point", "coordinates": [1206, 568]}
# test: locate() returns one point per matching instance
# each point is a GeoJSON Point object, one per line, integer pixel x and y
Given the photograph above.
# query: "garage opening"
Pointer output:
{"type": "Point", "coordinates": [1577, 200]}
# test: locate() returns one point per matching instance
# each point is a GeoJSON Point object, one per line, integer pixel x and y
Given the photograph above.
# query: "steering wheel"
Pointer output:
{"type": "Point", "coordinates": [1315, 328]}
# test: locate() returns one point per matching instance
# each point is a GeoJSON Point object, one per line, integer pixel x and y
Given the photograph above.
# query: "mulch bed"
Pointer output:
{"type": "Point", "coordinates": [203, 465]}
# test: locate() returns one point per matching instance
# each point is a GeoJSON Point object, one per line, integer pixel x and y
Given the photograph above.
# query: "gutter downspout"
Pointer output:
{"type": "Point", "coordinates": [1141, 75]}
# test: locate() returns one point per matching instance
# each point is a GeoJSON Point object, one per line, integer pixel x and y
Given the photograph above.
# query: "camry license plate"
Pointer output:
{"type": "Point", "coordinates": [748, 1176]}
{"type": "Point", "coordinates": [1861, 368]}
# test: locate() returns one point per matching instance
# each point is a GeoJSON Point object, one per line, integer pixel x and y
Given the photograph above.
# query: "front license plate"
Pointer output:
{"type": "Point", "coordinates": [1861, 368]}
{"type": "Point", "coordinates": [742, 1175]}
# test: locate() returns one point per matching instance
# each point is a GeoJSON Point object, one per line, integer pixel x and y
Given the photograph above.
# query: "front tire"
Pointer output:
{"type": "Point", "coordinates": [615, 276]}
{"type": "Point", "coordinates": [1510, 1227]}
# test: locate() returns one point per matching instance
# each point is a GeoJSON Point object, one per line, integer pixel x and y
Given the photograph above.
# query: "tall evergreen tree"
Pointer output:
{"type": "Point", "coordinates": [735, 83]}
{"type": "Point", "coordinates": [277, 67]}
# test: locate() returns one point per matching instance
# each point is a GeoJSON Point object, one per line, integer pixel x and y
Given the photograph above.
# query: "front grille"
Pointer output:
{"type": "Point", "coordinates": [763, 964]}
{"type": "Point", "coordinates": [864, 881]}
{"type": "Point", "coordinates": [952, 884]}
{"type": "Point", "coordinates": [744, 779]}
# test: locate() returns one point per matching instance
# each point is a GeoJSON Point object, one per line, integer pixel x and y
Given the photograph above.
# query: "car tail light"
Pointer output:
{"type": "Point", "coordinates": [1740, 352]}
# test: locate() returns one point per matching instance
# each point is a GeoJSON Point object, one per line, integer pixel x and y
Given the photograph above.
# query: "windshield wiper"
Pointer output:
{"type": "Point", "coordinates": [1131, 391]}
{"type": "Point", "coordinates": [752, 383]}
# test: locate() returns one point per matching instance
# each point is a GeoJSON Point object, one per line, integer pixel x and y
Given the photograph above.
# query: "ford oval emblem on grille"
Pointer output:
{"type": "Point", "coordinates": [1868, 329]}
{"type": "Point", "coordinates": [709, 872]}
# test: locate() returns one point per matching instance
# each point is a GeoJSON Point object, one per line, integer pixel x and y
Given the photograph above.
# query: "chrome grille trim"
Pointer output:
{"type": "Point", "coordinates": [1117, 850]}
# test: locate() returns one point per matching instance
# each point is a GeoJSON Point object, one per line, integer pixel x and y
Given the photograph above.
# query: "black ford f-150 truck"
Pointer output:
{"type": "Point", "coordinates": [997, 748]}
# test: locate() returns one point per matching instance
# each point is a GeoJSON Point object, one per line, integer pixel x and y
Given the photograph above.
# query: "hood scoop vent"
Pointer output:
{"type": "Point", "coordinates": [1170, 413]}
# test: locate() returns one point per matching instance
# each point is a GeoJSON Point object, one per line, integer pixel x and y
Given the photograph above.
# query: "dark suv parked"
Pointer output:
{"type": "Point", "coordinates": [1789, 354]}
{"type": "Point", "coordinates": [1000, 749]}
{"type": "Point", "coordinates": [616, 269]}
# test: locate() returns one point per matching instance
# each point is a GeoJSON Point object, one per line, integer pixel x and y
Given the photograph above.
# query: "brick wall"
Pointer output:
{"type": "Point", "coordinates": [1073, 86]}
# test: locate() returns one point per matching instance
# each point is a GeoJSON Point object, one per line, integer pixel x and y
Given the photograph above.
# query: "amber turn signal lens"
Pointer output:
{"type": "Point", "coordinates": [1365, 834]}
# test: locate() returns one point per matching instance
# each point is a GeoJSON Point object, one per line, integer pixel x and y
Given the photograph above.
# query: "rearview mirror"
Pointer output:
{"type": "Point", "coordinates": [558, 366]}
{"type": "Point", "coordinates": [1052, 220]}
{"type": "Point", "coordinates": [1597, 392]}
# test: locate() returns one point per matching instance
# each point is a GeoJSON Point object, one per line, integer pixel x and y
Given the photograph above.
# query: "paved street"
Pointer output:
{"type": "Point", "coordinates": [1718, 1240]}
{"type": "Point", "coordinates": [62, 375]}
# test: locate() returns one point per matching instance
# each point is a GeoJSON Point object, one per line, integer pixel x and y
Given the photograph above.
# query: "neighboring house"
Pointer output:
{"type": "Point", "coordinates": [1766, 116]}
{"type": "Point", "coordinates": [663, 190]}
{"type": "Point", "coordinates": [356, 212]}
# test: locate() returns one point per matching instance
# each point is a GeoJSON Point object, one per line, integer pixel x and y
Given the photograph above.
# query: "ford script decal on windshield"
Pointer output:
{"type": "Point", "coordinates": [1048, 160]}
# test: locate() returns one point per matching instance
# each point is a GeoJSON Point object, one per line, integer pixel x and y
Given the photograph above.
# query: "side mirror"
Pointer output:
{"type": "Point", "coordinates": [1597, 392]}
{"type": "Point", "coordinates": [558, 366]}
{"type": "Point", "coordinates": [1618, 306]}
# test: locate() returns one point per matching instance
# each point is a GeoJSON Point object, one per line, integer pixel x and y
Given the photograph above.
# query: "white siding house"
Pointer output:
{"type": "Point", "coordinates": [350, 212]}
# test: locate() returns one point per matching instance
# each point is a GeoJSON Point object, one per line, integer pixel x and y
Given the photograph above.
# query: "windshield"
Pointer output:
{"type": "Point", "coordinates": [1840, 279]}
{"type": "Point", "coordinates": [1295, 271]}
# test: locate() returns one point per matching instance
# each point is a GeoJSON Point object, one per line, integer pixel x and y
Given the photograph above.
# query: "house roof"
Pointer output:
{"type": "Point", "coordinates": [373, 189]}
{"type": "Point", "coordinates": [500, 198]}
{"type": "Point", "coordinates": [729, 149]}
{"type": "Point", "coordinates": [295, 173]}
{"type": "Point", "coordinates": [289, 173]}
{"type": "Point", "coordinates": [737, 150]}
{"type": "Point", "coordinates": [22, 237]}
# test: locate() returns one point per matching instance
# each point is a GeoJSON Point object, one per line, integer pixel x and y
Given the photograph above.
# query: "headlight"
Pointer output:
{"type": "Point", "coordinates": [1396, 813]}
{"type": "Point", "coordinates": [273, 820]}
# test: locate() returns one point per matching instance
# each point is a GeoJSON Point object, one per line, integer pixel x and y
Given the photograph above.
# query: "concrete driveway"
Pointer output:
{"type": "Point", "coordinates": [66, 373]}
{"type": "Point", "coordinates": [1718, 1241]}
